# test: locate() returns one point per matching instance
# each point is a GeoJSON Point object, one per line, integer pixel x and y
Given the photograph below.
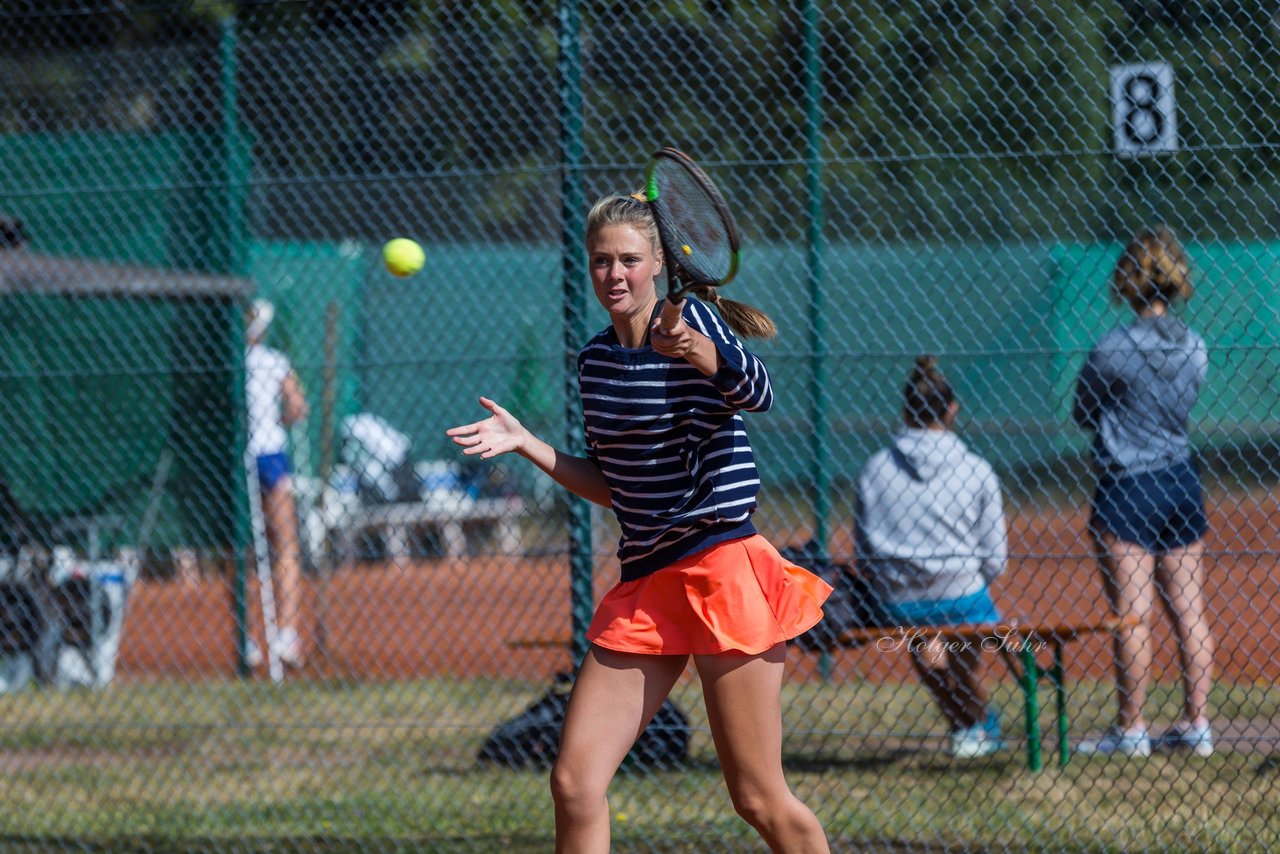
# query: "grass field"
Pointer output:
{"type": "Point", "coordinates": [373, 748]}
{"type": "Point", "coordinates": [347, 766]}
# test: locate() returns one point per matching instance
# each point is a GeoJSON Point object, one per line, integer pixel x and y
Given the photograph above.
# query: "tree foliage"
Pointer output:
{"type": "Point", "coordinates": [935, 117]}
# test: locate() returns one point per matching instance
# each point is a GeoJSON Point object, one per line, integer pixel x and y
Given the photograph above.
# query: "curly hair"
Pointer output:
{"type": "Point", "coordinates": [1153, 268]}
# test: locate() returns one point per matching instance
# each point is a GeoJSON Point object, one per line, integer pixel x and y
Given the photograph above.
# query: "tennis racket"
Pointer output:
{"type": "Point", "coordinates": [698, 235]}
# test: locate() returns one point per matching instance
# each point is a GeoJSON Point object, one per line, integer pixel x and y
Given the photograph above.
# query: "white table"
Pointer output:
{"type": "Point", "coordinates": [453, 518]}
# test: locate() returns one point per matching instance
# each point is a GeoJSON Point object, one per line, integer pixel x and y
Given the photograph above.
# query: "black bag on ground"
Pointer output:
{"type": "Point", "coordinates": [853, 603]}
{"type": "Point", "coordinates": [532, 738]}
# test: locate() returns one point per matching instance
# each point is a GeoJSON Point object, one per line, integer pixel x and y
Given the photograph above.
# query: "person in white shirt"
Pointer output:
{"type": "Point", "coordinates": [274, 399]}
{"type": "Point", "coordinates": [931, 536]}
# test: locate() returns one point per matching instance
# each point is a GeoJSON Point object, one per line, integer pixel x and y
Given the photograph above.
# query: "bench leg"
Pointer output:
{"type": "Point", "coordinates": [1058, 675]}
{"type": "Point", "coordinates": [396, 541]}
{"type": "Point", "coordinates": [455, 540]}
{"type": "Point", "coordinates": [508, 540]}
{"type": "Point", "coordinates": [1030, 688]}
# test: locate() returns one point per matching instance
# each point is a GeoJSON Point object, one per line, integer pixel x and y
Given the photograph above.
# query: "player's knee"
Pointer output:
{"type": "Point", "coordinates": [755, 806]}
{"type": "Point", "coordinates": [574, 792]}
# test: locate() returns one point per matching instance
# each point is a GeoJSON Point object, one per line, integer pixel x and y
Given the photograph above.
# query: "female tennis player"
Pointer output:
{"type": "Point", "coordinates": [667, 450]}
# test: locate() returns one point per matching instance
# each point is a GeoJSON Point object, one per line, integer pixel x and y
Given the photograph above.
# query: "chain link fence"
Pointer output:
{"type": "Point", "coordinates": [950, 178]}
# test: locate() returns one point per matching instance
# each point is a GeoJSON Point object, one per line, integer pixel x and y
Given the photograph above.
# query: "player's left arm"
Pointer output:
{"type": "Point", "coordinates": [704, 340]}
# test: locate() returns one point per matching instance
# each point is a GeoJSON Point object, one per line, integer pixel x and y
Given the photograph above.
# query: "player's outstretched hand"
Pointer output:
{"type": "Point", "coordinates": [500, 433]}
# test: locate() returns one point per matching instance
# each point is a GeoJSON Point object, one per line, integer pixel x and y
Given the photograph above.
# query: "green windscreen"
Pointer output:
{"type": "Point", "coordinates": [96, 388]}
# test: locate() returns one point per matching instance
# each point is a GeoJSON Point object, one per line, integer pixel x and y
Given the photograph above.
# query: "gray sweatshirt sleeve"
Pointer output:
{"type": "Point", "coordinates": [1093, 389]}
{"type": "Point", "coordinates": [992, 532]}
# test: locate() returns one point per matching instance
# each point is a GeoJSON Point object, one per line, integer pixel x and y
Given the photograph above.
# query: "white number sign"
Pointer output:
{"type": "Point", "coordinates": [1142, 109]}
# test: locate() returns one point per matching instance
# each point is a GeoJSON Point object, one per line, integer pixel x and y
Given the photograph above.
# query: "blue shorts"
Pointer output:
{"type": "Point", "coordinates": [272, 468]}
{"type": "Point", "coordinates": [1158, 510]}
{"type": "Point", "coordinates": [974, 608]}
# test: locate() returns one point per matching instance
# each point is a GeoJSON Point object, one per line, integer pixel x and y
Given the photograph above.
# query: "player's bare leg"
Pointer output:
{"type": "Point", "coordinates": [1128, 573]}
{"type": "Point", "coordinates": [930, 660]}
{"type": "Point", "coordinates": [968, 667]}
{"type": "Point", "coordinates": [1180, 576]}
{"type": "Point", "coordinates": [614, 697]}
{"type": "Point", "coordinates": [744, 709]}
{"type": "Point", "coordinates": [280, 511]}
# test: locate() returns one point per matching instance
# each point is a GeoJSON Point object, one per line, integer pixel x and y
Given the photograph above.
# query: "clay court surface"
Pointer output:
{"type": "Point", "coordinates": [455, 617]}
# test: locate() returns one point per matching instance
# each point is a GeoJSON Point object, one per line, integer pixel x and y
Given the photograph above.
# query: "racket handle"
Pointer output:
{"type": "Point", "coordinates": [671, 312]}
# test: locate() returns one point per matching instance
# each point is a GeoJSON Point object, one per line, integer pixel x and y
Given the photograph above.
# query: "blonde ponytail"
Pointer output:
{"type": "Point", "coordinates": [746, 320]}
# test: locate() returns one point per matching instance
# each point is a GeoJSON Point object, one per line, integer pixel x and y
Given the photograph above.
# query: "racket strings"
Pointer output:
{"type": "Point", "coordinates": [695, 226]}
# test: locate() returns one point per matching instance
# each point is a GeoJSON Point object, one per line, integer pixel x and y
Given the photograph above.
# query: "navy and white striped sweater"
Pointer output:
{"type": "Point", "coordinates": [671, 443]}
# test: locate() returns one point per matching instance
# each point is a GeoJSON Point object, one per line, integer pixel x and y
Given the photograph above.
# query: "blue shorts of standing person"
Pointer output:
{"type": "Point", "coordinates": [1159, 510]}
{"type": "Point", "coordinates": [273, 468]}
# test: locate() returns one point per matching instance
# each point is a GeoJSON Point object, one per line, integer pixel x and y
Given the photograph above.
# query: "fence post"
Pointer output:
{"type": "Point", "coordinates": [572, 224]}
{"type": "Point", "coordinates": [234, 262]}
{"type": "Point", "coordinates": [816, 264]}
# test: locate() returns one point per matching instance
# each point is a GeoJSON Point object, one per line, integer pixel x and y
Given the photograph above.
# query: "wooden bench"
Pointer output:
{"type": "Point", "coordinates": [397, 524]}
{"type": "Point", "coordinates": [1018, 643]}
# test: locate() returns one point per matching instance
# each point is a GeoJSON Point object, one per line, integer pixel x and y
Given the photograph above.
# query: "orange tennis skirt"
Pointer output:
{"type": "Point", "coordinates": [740, 595]}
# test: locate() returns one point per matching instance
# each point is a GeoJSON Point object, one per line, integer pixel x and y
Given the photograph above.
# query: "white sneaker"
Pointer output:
{"type": "Point", "coordinates": [972, 742]}
{"type": "Point", "coordinates": [1116, 741]}
{"type": "Point", "coordinates": [1185, 736]}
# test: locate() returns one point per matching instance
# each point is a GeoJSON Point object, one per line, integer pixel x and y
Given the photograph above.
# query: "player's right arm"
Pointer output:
{"type": "Point", "coordinates": [502, 433]}
{"type": "Point", "coordinates": [737, 373]}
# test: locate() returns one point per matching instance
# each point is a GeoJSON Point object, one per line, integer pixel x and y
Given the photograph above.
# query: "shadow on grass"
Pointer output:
{"type": "Point", "coordinates": [811, 764]}
{"type": "Point", "coordinates": [263, 844]}
{"type": "Point", "coordinates": [922, 761]}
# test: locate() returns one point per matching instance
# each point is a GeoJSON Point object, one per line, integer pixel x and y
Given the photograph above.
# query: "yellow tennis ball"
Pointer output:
{"type": "Point", "coordinates": [403, 256]}
{"type": "Point", "coordinates": [686, 249]}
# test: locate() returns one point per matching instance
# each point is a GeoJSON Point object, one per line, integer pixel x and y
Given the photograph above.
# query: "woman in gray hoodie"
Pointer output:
{"type": "Point", "coordinates": [931, 536]}
{"type": "Point", "coordinates": [1135, 393]}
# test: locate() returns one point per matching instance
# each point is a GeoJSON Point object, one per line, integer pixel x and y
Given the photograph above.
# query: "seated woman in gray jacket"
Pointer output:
{"type": "Point", "coordinates": [931, 535]}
